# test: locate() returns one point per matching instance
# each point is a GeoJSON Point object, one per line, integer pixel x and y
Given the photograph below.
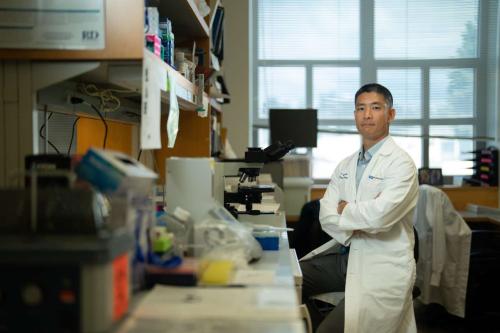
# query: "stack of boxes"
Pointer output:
{"type": "Point", "coordinates": [167, 41]}
{"type": "Point", "coordinates": [159, 35]}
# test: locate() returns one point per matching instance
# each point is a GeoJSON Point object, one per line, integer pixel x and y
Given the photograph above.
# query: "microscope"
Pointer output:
{"type": "Point", "coordinates": [199, 184]}
{"type": "Point", "coordinates": [247, 170]}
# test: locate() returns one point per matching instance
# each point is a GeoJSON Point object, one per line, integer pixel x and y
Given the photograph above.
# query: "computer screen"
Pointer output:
{"type": "Point", "coordinates": [298, 125]}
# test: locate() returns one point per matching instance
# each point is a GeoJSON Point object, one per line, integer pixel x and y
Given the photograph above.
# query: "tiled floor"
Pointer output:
{"type": "Point", "coordinates": [434, 319]}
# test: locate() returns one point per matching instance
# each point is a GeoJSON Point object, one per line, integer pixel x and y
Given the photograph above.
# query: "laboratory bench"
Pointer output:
{"type": "Point", "coordinates": [261, 298]}
{"type": "Point", "coordinates": [476, 213]}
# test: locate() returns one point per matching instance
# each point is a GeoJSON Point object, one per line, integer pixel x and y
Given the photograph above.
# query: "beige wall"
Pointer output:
{"type": "Point", "coordinates": [236, 117]}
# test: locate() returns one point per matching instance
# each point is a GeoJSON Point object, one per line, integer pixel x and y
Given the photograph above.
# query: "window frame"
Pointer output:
{"type": "Point", "coordinates": [368, 66]}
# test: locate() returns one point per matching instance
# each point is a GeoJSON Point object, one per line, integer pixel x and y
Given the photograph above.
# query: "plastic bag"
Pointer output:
{"type": "Point", "coordinates": [223, 237]}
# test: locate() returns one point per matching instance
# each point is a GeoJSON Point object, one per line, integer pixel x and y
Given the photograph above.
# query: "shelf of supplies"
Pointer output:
{"type": "Point", "coordinates": [129, 76]}
{"type": "Point", "coordinates": [187, 22]}
{"type": "Point", "coordinates": [122, 75]}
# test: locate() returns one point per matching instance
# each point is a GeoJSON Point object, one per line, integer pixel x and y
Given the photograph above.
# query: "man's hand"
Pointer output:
{"type": "Point", "coordinates": [341, 206]}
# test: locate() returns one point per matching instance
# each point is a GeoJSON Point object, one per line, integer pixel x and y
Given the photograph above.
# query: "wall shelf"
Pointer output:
{"type": "Point", "coordinates": [43, 80]}
{"type": "Point", "coordinates": [129, 76]}
{"type": "Point", "coordinates": [119, 75]}
{"type": "Point", "coordinates": [187, 22]}
{"type": "Point", "coordinates": [124, 24]}
{"type": "Point", "coordinates": [125, 32]}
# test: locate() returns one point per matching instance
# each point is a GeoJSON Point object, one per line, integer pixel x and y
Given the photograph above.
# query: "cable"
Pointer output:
{"type": "Point", "coordinates": [103, 121]}
{"type": "Point", "coordinates": [72, 134]}
{"type": "Point", "coordinates": [44, 123]}
{"type": "Point", "coordinates": [43, 136]}
{"type": "Point", "coordinates": [109, 102]}
{"type": "Point", "coordinates": [139, 156]}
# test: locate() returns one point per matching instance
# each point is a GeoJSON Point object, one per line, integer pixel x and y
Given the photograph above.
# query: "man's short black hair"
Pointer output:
{"type": "Point", "coordinates": [376, 88]}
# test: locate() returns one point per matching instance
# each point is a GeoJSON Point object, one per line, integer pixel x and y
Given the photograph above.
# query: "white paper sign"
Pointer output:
{"type": "Point", "coordinates": [52, 24]}
{"type": "Point", "coordinates": [151, 103]}
{"type": "Point", "coordinates": [173, 112]}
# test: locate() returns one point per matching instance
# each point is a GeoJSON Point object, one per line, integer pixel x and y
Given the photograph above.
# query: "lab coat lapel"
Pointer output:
{"type": "Point", "coordinates": [351, 186]}
{"type": "Point", "coordinates": [385, 150]}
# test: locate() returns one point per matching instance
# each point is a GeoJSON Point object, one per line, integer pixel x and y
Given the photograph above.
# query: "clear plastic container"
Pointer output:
{"type": "Point", "coordinates": [180, 224]}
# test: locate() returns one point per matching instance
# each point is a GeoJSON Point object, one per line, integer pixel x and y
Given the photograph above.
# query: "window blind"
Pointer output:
{"type": "Point", "coordinates": [318, 53]}
{"type": "Point", "coordinates": [333, 91]}
{"type": "Point", "coordinates": [405, 85]}
{"type": "Point", "coordinates": [426, 29]}
{"type": "Point", "coordinates": [451, 92]}
{"type": "Point", "coordinates": [297, 29]}
{"type": "Point", "coordinates": [281, 87]}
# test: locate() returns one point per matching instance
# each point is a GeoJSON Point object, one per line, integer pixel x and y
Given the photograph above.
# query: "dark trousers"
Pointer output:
{"type": "Point", "coordinates": [322, 274]}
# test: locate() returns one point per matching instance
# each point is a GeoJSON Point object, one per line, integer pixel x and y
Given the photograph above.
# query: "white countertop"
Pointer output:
{"type": "Point", "coordinates": [267, 303]}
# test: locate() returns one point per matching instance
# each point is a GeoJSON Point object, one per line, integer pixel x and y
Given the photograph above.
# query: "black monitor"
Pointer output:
{"type": "Point", "coordinates": [298, 125]}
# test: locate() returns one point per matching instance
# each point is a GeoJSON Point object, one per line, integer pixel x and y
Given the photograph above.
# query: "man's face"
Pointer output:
{"type": "Point", "coordinates": [372, 115]}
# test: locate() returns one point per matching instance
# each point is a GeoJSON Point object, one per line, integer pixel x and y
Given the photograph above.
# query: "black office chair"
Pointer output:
{"type": "Point", "coordinates": [307, 232]}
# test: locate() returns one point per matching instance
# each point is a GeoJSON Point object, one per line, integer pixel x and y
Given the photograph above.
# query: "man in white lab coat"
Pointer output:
{"type": "Point", "coordinates": [368, 209]}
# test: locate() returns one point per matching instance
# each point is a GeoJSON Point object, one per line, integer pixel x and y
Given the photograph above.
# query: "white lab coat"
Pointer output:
{"type": "Point", "coordinates": [381, 268]}
{"type": "Point", "coordinates": [444, 238]}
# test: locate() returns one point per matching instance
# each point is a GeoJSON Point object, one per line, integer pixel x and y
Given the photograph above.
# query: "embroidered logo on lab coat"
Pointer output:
{"type": "Point", "coordinates": [344, 175]}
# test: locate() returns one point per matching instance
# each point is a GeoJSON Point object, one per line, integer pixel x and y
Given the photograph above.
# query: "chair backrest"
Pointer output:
{"type": "Point", "coordinates": [308, 234]}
